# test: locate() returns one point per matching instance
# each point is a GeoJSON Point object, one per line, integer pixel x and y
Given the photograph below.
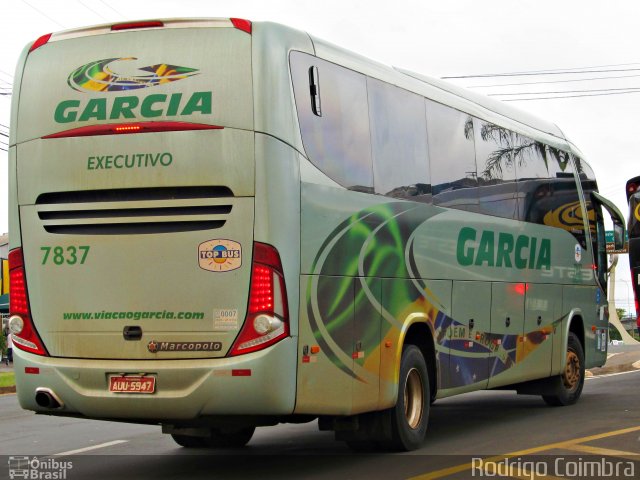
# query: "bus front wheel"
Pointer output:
{"type": "Point", "coordinates": [410, 415]}
{"type": "Point", "coordinates": [567, 388]}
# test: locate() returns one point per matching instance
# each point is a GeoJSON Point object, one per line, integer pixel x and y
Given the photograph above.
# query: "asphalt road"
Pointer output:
{"type": "Point", "coordinates": [606, 421]}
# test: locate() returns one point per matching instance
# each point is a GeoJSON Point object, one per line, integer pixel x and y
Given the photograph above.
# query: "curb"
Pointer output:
{"type": "Point", "coordinates": [609, 369]}
{"type": "Point", "coordinates": [7, 390]}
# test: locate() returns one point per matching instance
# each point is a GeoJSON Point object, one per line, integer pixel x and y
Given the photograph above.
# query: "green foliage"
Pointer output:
{"type": "Point", "coordinates": [614, 334]}
{"type": "Point", "coordinates": [3, 344]}
{"type": "Point", "coordinates": [7, 379]}
{"type": "Point", "coordinates": [621, 312]}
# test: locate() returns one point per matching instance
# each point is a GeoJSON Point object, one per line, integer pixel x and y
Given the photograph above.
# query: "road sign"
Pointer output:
{"type": "Point", "coordinates": [608, 236]}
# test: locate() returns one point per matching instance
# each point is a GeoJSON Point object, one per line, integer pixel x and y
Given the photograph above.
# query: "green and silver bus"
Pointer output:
{"type": "Point", "coordinates": [218, 225]}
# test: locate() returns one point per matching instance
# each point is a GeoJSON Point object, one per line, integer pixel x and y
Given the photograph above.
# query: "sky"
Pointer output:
{"type": "Point", "coordinates": [585, 39]}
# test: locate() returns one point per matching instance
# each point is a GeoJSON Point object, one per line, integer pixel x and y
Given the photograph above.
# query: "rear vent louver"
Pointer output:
{"type": "Point", "coordinates": [135, 210]}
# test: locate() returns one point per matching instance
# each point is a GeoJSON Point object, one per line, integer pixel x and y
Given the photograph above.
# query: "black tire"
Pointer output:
{"type": "Point", "coordinates": [219, 439]}
{"type": "Point", "coordinates": [567, 387]}
{"type": "Point", "coordinates": [410, 415]}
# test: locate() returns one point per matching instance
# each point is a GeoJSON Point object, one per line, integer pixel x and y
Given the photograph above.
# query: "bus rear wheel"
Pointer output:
{"type": "Point", "coordinates": [410, 415]}
{"type": "Point", "coordinates": [219, 438]}
{"type": "Point", "coordinates": [567, 387]}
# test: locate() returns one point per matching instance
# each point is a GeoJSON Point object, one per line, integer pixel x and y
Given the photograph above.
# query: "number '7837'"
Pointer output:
{"type": "Point", "coordinates": [61, 255]}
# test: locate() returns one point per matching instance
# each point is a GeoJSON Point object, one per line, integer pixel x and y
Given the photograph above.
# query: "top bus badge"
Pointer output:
{"type": "Point", "coordinates": [220, 255]}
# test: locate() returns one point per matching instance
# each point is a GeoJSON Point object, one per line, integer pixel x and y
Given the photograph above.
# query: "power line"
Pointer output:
{"type": "Point", "coordinates": [568, 96]}
{"type": "Point", "coordinates": [6, 74]}
{"type": "Point", "coordinates": [578, 68]}
{"type": "Point", "coordinates": [553, 81]}
{"type": "Point", "coordinates": [43, 14]}
{"type": "Point", "coordinates": [564, 91]}
{"type": "Point", "coordinates": [109, 6]}
{"type": "Point", "coordinates": [92, 10]}
{"type": "Point", "coordinates": [559, 69]}
{"type": "Point", "coordinates": [558, 72]}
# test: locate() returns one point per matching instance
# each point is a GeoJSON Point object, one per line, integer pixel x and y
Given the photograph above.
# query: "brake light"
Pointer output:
{"type": "Point", "coordinates": [131, 25]}
{"type": "Point", "coordinates": [40, 42]}
{"type": "Point", "coordinates": [241, 24]}
{"type": "Point", "coordinates": [633, 186]}
{"type": "Point", "coordinates": [267, 320]}
{"type": "Point", "coordinates": [25, 336]}
{"type": "Point", "coordinates": [521, 288]}
{"type": "Point", "coordinates": [141, 127]}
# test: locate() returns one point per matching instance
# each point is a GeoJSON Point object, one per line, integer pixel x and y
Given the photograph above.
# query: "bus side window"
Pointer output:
{"type": "Point", "coordinates": [454, 177]}
{"type": "Point", "coordinates": [399, 142]}
{"type": "Point", "coordinates": [498, 194]}
{"type": "Point", "coordinates": [335, 138]}
{"type": "Point", "coordinates": [533, 179]}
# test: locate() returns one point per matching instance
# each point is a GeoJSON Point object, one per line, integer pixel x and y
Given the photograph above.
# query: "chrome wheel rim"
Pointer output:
{"type": "Point", "coordinates": [413, 398]}
{"type": "Point", "coordinates": [571, 376]}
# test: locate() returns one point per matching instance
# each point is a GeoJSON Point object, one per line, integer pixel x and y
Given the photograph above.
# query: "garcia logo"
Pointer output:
{"type": "Point", "coordinates": [220, 255]}
{"type": "Point", "coordinates": [500, 249]}
{"type": "Point", "coordinates": [98, 76]}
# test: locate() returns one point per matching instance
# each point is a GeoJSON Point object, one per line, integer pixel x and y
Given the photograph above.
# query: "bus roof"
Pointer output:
{"type": "Point", "coordinates": [435, 89]}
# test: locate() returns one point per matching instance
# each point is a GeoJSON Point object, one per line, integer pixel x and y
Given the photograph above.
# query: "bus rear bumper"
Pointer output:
{"type": "Point", "coordinates": [259, 383]}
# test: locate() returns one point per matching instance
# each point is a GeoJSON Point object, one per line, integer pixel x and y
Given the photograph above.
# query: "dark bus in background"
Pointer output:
{"type": "Point", "coordinates": [633, 198]}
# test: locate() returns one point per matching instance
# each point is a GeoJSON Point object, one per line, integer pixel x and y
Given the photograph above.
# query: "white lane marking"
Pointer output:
{"type": "Point", "coordinates": [88, 449]}
{"type": "Point", "coordinates": [611, 375]}
{"type": "Point", "coordinates": [609, 355]}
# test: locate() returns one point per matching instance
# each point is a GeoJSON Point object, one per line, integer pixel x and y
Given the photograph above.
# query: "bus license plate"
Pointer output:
{"type": "Point", "coordinates": [131, 384]}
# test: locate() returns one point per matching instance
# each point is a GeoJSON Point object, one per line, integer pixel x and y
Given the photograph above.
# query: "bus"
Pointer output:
{"type": "Point", "coordinates": [219, 224]}
{"type": "Point", "coordinates": [633, 199]}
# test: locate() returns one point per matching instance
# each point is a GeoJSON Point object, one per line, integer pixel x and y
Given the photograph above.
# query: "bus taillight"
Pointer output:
{"type": "Point", "coordinates": [633, 187]}
{"type": "Point", "coordinates": [267, 314]}
{"type": "Point", "coordinates": [136, 25]}
{"type": "Point", "coordinates": [40, 42]}
{"type": "Point", "coordinates": [242, 24]}
{"type": "Point", "coordinates": [21, 326]}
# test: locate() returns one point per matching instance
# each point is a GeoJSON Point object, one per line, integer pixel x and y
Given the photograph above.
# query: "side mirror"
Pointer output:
{"type": "Point", "coordinates": [619, 229]}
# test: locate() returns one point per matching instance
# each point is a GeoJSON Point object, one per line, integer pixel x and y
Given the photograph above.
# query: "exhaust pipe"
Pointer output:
{"type": "Point", "coordinates": [46, 398]}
